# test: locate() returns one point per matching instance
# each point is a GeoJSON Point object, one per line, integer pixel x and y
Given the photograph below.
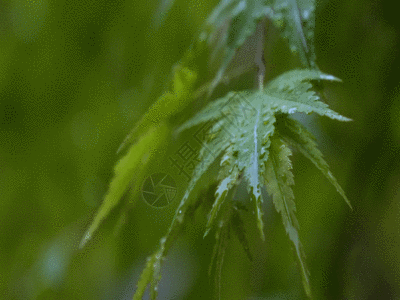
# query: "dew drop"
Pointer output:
{"type": "Point", "coordinates": [328, 77]}
{"type": "Point", "coordinates": [306, 14]}
{"type": "Point", "coordinates": [180, 216]}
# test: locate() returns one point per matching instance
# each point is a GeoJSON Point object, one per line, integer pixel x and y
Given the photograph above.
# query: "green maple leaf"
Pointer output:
{"type": "Point", "coordinates": [254, 130]}
{"type": "Point", "coordinates": [232, 22]}
{"type": "Point", "coordinates": [148, 136]}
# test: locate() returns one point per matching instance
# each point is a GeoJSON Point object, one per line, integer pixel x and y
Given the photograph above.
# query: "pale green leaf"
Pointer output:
{"type": "Point", "coordinates": [218, 255]}
{"type": "Point", "coordinates": [133, 163]}
{"type": "Point", "coordinates": [161, 13]}
{"type": "Point", "coordinates": [242, 127]}
{"type": "Point", "coordinates": [278, 181]}
{"type": "Point", "coordinates": [252, 143]}
{"type": "Point", "coordinates": [249, 119]}
{"type": "Point", "coordinates": [291, 92]}
{"type": "Point", "coordinates": [145, 278]}
{"type": "Point", "coordinates": [156, 276]}
{"type": "Point", "coordinates": [289, 80]}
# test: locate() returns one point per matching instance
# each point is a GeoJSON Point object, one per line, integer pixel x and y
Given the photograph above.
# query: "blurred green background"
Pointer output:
{"type": "Point", "coordinates": [75, 76]}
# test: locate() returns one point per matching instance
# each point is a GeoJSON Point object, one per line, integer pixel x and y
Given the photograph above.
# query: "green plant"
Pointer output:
{"type": "Point", "coordinates": [249, 131]}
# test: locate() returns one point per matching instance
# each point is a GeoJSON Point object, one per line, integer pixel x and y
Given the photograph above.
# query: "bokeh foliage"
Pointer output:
{"type": "Point", "coordinates": [76, 76]}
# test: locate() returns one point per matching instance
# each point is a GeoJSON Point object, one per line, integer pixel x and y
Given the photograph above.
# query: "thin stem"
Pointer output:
{"type": "Point", "coordinates": [259, 59]}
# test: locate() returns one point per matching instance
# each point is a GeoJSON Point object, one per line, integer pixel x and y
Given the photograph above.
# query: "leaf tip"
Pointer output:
{"type": "Point", "coordinates": [341, 192]}
{"type": "Point", "coordinates": [330, 77]}
{"type": "Point", "coordinates": [120, 148]}
{"type": "Point", "coordinates": [85, 239]}
{"type": "Point", "coordinates": [206, 233]}
{"type": "Point", "coordinates": [349, 204]}
{"type": "Point", "coordinates": [346, 119]}
{"type": "Point", "coordinates": [262, 236]}
{"type": "Point", "coordinates": [308, 291]}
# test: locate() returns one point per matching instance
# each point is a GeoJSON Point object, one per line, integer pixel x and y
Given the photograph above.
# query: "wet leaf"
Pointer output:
{"type": "Point", "coordinates": [257, 148]}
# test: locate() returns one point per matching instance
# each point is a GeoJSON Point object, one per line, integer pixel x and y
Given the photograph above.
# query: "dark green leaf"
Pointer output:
{"type": "Point", "coordinates": [132, 164]}
{"type": "Point", "coordinates": [278, 179]}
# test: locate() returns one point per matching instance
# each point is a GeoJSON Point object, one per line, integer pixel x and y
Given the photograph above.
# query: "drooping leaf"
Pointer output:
{"type": "Point", "coordinates": [278, 179]}
{"type": "Point", "coordinates": [207, 158]}
{"type": "Point", "coordinates": [229, 25]}
{"type": "Point", "coordinates": [296, 21]}
{"type": "Point", "coordinates": [151, 132]}
{"type": "Point", "coordinates": [240, 231]}
{"type": "Point", "coordinates": [220, 195]}
{"type": "Point", "coordinates": [249, 118]}
{"type": "Point", "coordinates": [133, 163]}
{"type": "Point", "coordinates": [257, 151]}
{"type": "Point", "coordinates": [249, 122]}
{"type": "Point", "coordinates": [252, 147]}
{"type": "Point", "coordinates": [233, 21]}
{"type": "Point", "coordinates": [167, 105]}
{"type": "Point", "coordinates": [217, 259]}
{"type": "Point", "coordinates": [298, 136]}
{"type": "Point", "coordinates": [243, 127]}
{"type": "Point", "coordinates": [145, 278]}
{"type": "Point", "coordinates": [161, 13]}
